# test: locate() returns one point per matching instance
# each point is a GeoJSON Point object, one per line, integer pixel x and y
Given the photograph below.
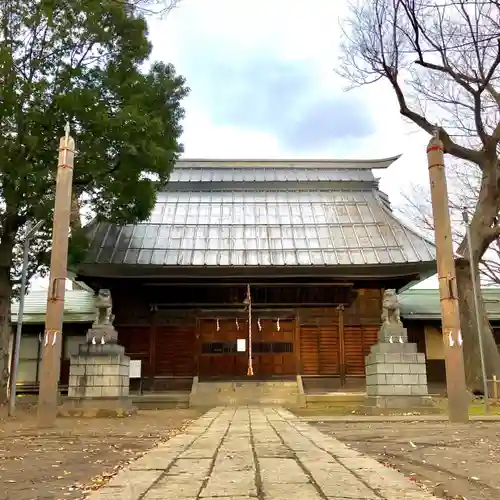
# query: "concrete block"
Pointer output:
{"type": "Point", "coordinates": [419, 390]}
{"type": "Point", "coordinates": [111, 392]}
{"type": "Point", "coordinates": [396, 347]}
{"type": "Point", "coordinates": [111, 370]}
{"type": "Point", "coordinates": [76, 370]}
{"type": "Point", "coordinates": [370, 369]}
{"type": "Point", "coordinates": [418, 368]}
{"type": "Point", "coordinates": [422, 379]}
{"type": "Point", "coordinates": [376, 358]}
{"type": "Point", "coordinates": [378, 379]}
{"type": "Point", "coordinates": [371, 390]}
{"type": "Point", "coordinates": [402, 390]}
{"type": "Point", "coordinates": [409, 358]}
{"type": "Point", "coordinates": [395, 357]}
{"type": "Point", "coordinates": [385, 368]}
{"type": "Point", "coordinates": [93, 392]}
{"type": "Point", "coordinates": [402, 369]}
{"type": "Point", "coordinates": [394, 379]}
{"type": "Point", "coordinates": [421, 358]}
{"type": "Point", "coordinates": [410, 379]}
{"type": "Point", "coordinates": [384, 390]}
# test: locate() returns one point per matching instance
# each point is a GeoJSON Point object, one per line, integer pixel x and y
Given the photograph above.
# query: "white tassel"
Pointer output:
{"type": "Point", "coordinates": [237, 324]}
{"type": "Point", "coordinates": [460, 339]}
{"type": "Point", "coordinates": [54, 338]}
{"type": "Point", "coordinates": [278, 325]}
{"type": "Point", "coordinates": [450, 340]}
{"type": "Point", "coordinates": [46, 343]}
{"type": "Point", "coordinates": [102, 340]}
{"type": "Point", "coordinates": [259, 325]}
{"type": "Point", "coordinates": [390, 340]}
{"type": "Point", "coordinates": [401, 341]}
{"type": "Point", "coordinates": [93, 341]}
{"type": "Point", "coordinates": [218, 326]}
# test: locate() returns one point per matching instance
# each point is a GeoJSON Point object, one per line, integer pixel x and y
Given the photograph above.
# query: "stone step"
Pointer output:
{"type": "Point", "coordinates": [283, 393]}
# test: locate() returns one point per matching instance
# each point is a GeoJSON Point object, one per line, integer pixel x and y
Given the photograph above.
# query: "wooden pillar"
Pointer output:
{"type": "Point", "coordinates": [152, 348]}
{"type": "Point", "coordinates": [455, 375]}
{"type": "Point", "coordinates": [298, 367]}
{"type": "Point", "coordinates": [342, 369]}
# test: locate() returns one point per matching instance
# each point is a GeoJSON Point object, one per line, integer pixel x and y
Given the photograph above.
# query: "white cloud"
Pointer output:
{"type": "Point", "coordinates": [289, 30]}
{"type": "Point", "coordinates": [293, 31]}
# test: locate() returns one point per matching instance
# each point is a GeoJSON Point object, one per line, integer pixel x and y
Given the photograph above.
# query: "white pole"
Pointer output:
{"type": "Point", "coordinates": [17, 344]}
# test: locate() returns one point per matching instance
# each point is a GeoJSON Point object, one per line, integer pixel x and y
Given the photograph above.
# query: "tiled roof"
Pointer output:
{"type": "Point", "coordinates": [203, 174]}
{"type": "Point", "coordinates": [424, 304]}
{"type": "Point", "coordinates": [300, 216]}
{"type": "Point", "coordinates": [78, 307]}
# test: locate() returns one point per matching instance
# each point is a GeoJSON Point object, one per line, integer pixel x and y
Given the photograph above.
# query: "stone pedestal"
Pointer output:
{"type": "Point", "coordinates": [99, 378]}
{"type": "Point", "coordinates": [396, 375]}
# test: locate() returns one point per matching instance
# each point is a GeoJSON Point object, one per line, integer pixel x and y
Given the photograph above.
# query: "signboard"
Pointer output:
{"type": "Point", "coordinates": [241, 345]}
{"type": "Point", "coordinates": [135, 368]}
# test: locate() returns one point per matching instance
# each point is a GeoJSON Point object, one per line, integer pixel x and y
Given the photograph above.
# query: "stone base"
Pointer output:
{"type": "Point", "coordinates": [100, 373]}
{"type": "Point", "coordinates": [97, 408]}
{"type": "Point", "coordinates": [396, 332]}
{"type": "Point", "coordinates": [376, 405]}
{"type": "Point", "coordinates": [99, 332]}
{"type": "Point", "coordinates": [396, 378]}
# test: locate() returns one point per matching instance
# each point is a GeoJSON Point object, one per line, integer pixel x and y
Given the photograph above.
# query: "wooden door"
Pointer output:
{"type": "Point", "coordinates": [175, 351]}
{"type": "Point", "coordinates": [273, 348]}
{"type": "Point", "coordinates": [218, 356]}
{"type": "Point", "coordinates": [358, 340]}
{"type": "Point", "coordinates": [320, 350]}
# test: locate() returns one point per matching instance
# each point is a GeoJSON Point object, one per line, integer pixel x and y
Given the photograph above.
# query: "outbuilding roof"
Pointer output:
{"type": "Point", "coordinates": [265, 213]}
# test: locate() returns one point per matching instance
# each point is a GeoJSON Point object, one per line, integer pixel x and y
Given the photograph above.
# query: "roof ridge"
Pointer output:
{"type": "Point", "coordinates": [347, 163]}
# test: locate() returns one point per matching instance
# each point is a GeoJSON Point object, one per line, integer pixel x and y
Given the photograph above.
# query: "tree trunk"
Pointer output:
{"type": "Point", "coordinates": [5, 330]}
{"type": "Point", "coordinates": [472, 359]}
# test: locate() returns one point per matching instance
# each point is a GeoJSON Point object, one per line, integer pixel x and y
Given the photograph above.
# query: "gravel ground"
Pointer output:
{"type": "Point", "coordinates": [451, 461]}
{"type": "Point", "coordinates": [77, 455]}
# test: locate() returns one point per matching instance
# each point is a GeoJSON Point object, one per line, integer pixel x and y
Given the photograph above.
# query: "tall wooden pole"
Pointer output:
{"type": "Point", "coordinates": [458, 405]}
{"type": "Point", "coordinates": [52, 342]}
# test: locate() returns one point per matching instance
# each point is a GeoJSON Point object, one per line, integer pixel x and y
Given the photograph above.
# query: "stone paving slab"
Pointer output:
{"type": "Point", "coordinates": [247, 453]}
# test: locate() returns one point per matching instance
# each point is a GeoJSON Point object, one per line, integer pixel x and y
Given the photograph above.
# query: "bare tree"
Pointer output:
{"type": "Point", "coordinates": [442, 60]}
{"type": "Point", "coordinates": [463, 184]}
{"type": "Point", "coordinates": [153, 7]}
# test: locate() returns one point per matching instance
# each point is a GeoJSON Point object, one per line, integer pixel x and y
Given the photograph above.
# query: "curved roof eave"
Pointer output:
{"type": "Point", "coordinates": [379, 163]}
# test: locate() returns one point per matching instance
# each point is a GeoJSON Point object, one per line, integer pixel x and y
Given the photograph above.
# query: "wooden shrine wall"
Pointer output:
{"type": "Point", "coordinates": [311, 341]}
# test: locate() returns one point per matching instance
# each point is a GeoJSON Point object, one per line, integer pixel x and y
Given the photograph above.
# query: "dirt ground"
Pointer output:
{"type": "Point", "coordinates": [450, 461]}
{"type": "Point", "coordinates": [77, 455]}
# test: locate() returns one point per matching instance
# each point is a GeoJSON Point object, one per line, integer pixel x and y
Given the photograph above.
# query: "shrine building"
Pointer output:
{"type": "Point", "coordinates": [314, 242]}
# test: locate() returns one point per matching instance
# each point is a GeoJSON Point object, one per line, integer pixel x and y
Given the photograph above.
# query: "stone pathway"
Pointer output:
{"type": "Point", "coordinates": [243, 453]}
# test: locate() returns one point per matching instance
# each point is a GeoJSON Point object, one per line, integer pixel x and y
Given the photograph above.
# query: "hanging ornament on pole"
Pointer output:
{"type": "Point", "coordinates": [249, 302]}
{"type": "Point", "coordinates": [451, 342]}
{"type": "Point", "coordinates": [278, 325]}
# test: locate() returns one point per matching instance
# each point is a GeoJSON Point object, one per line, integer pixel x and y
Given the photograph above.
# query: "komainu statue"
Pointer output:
{"type": "Point", "coordinates": [103, 308]}
{"type": "Point", "coordinates": [390, 308]}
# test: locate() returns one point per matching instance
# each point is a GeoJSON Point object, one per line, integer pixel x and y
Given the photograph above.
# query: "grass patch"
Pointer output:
{"type": "Point", "coordinates": [476, 408]}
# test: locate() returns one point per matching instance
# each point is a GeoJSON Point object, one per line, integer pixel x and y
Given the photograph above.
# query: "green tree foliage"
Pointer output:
{"type": "Point", "coordinates": [78, 61]}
